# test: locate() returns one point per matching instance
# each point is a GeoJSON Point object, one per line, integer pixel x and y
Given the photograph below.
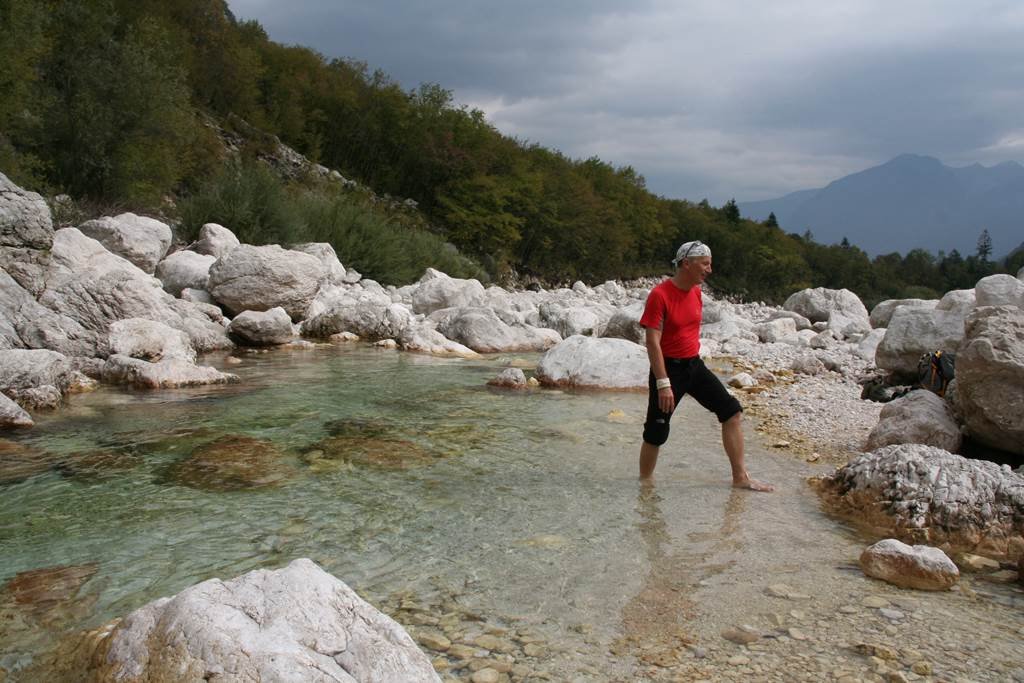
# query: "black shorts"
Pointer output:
{"type": "Point", "coordinates": [688, 376]}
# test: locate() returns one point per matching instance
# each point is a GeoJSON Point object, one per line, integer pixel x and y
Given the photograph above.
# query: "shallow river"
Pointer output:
{"type": "Point", "coordinates": [470, 512]}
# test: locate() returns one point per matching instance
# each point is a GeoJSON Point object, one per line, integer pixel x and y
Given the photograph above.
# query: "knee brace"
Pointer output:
{"type": "Point", "coordinates": [656, 431]}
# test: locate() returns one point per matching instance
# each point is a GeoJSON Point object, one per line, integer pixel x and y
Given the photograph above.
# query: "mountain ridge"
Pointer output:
{"type": "Point", "coordinates": [910, 202]}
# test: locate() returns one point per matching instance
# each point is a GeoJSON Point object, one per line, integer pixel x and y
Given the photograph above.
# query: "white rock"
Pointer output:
{"type": "Point", "coordinates": [777, 331]}
{"type": "Point", "coordinates": [214, 240]}
{"type": "Point", "coordinates": [819, 303]}
{"type": "Point", "coordinates": [807, 364]}
{"type": "Point", "coordinates": [933, 496]}
{"type": "Point", "coordinates": [197, 296]}
{"type": "Point", "coordinates": [867, 348]}
{"type": "Point", "coordinates": [999, 290]}
{"type": "Point", "coordinates": [881, 314]}
{"type": "Point", "coordinates": [36, 378]}
{"type": "Point", "coordinates": [422, 338]}
{"type": "Point", "coordinates": [141, 240]}
{"type": "Point", "coordinates": [13, 415]}
{"type": "Point", "coordinates": [624, 323]}
{"type": "Point", "coordinates": [742, 381]}
{"type": "Point", "coordinates": [370, 320]}
{"type": "Point", "coordinates": [262, 328]}
{"type": "Point", "coordinates": [24, 218]}
{"type": "Point", "coordinates": [990, 377]}
{"type": "Point", "coordinates": [913, 332]}
{"type": "Point", "coordinates": [920, 566]}
{"type": "Point", "coordinates": [149, 340]}
{"type": "Point", "coordinates": [165, 374]}
{"type": "Point", "coordinates": [94, 287]}
{"type": "Point", "coordinates": [586, 362]}
{"type": "Point", "coordinates": [249, 278]}
{"type": "Point", "coordinates": [957, 300]}
{"type": "Point", "coordinates": [25, 323]}
{"type": "Point", "coordinates": [334, 271]}
{"type": "Point", "coordinates": [441, 291]}
{"type": "Point", "coordinates": [570, 320]}
{"type": "Point", "coordinates": [296, 624]}
{"type": "Point", "coordinates": [483, 331]}
{"type": "Point", "coordinates": [919, 417]}
{"type": "Point", "coordinates": [184, 269]}
{"type": "Point", "coordinates": [510, 378]}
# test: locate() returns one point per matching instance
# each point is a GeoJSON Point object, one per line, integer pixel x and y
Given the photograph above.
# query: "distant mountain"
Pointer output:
{"type": "Point", "coordinates": [907, 203]}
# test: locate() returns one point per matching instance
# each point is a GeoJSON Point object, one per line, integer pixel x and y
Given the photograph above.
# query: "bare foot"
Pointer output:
{"type": "Point", "coordinates": [753, 485]}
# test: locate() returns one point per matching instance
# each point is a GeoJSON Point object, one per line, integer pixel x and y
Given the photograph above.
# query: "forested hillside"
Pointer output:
{"type": "Point", "coordinates": [118, 104]}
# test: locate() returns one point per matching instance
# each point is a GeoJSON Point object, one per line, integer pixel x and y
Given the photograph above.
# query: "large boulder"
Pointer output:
{"type": "Point", "coordinates": [422, 338]}
{"type": "Point", "coordinates": [164, 374]}
{"type": "Point", "coordinates": [990, 377]}
{"type": "Point", "coordinates": [334, 272]}
{"type": "Point", "coordinates": [149, 340]}
{"type": "Point", "coordinates": [881, 314]}
{"type": "Point", "coordinates": [27, 324]}
{"type": "Point", "coordinates": [184, 270]}
{"type": "Point", "coordinates": [39, 378]}
{"type": "Point", "coordinates": [371, 320]}
{"type": "Point", "coordinates": [922, 494]}
{"type": "Point", "coordinates": [960, 301]}
{"type": "Point", "coordinates": [24, 218]}
{"type": "Point", "coordinates": [625, 323]}
{"type": "Point", "coordinates": [95, 288]}
{"type": "Point", "coordinates": [589, 363]}
{"type": "Point", "coordinates": [13, 415]}
{"type": "Point", "coordinates": [139, 239]}
{"type": "Point", "coordinates": [919, 566]}
{"type": "Point", "coordinates": [778, 331]}
{"type": "Point", "coordinates": [483, 331]}
{"type": "Point", "coordinates": [919, 417]}
{"type": "Point", "coordinates": [999, 290]}
{"type": "Point", "coordinates": [818, 304]}
{"type": "Point", "coordinates": [298, 623]}
{"type": "Point", "coordinates": [437, 291]}
{"type": "Point", "coordinates": [568, 320]}
{"type": "Point", "coordinates": [214, 240]}
{"type": "Point", "coordinates": [262, 328]}
{"type": "Point", "coordinates": [250, 278]}
{"type": "Point", "coordinates": [913, 332]}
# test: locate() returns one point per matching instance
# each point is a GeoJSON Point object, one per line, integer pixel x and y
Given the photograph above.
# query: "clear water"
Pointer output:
{"type": "Point", "coordinates": [520, 506]}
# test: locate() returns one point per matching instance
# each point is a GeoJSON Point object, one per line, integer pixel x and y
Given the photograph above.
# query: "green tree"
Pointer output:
{"type": "Point", "coordinates": [771, 221]}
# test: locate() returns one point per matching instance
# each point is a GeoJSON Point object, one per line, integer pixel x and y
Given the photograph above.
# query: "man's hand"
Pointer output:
{"type": "Point", "coordinates": [666, 400]}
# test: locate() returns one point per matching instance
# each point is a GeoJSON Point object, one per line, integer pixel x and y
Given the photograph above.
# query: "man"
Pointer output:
{"type": "Point", "coordinates": [672, 318]}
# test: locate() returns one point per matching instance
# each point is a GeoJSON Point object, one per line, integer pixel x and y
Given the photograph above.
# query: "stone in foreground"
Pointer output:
{"type": "Point", "coordinates": [925, 495]}
{"type": "Point", "coordinates": [918, 566]}
{"type": "Point", "coordinates": [298, 623]}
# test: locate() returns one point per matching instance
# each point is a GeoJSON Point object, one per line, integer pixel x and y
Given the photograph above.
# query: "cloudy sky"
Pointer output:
{"type": "Point", "coordinates": [706, 98]}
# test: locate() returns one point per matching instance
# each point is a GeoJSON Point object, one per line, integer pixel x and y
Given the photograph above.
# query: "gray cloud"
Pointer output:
{"type": "Point", "coordinates": [705, 99]}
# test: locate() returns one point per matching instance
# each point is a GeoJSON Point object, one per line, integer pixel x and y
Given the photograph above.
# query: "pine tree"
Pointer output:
{"type": "Point", "coordinates": [984, 245]}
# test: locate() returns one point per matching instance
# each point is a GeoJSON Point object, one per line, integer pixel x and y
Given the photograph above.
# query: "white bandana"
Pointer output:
{"type": "Point", "coordinates": [688, 250]}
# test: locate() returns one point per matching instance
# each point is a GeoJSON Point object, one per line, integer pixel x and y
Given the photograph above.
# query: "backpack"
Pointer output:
{"type": "Point", "coordinates": [936, 370]}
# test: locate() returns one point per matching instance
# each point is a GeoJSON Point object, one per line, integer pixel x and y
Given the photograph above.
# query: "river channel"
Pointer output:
{"type": "Point", "coordinates": [468, 512]}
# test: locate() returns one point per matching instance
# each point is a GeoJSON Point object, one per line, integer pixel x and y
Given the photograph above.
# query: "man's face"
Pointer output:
{"type": "Point", "coordinates": [697, 269]}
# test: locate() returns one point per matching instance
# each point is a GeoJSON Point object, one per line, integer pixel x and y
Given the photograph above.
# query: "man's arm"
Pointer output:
{"type": "Point", "coordinates": [652, 337]}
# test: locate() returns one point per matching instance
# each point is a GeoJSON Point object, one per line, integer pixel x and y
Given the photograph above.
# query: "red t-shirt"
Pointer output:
{"type": "Point", "coordinates": [678, 314]}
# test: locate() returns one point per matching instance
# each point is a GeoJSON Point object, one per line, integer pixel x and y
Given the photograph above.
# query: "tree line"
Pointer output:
{"type": "Point", "coordinates": [111, 102]}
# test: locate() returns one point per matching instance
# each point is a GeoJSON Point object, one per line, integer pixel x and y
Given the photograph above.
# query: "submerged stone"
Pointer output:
{"type": "Point", "coordinates": [370, 451]}
{"type": "Point", "coordinates": [97, 463]}
{"type": "Point", "coordinates": [19, 462]}
{"type": "Point", "coordinates": [231, 463]}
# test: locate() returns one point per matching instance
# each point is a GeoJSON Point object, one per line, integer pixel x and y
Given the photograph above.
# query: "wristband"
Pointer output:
{"type": "Point", "coordinates": [663, 383]}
